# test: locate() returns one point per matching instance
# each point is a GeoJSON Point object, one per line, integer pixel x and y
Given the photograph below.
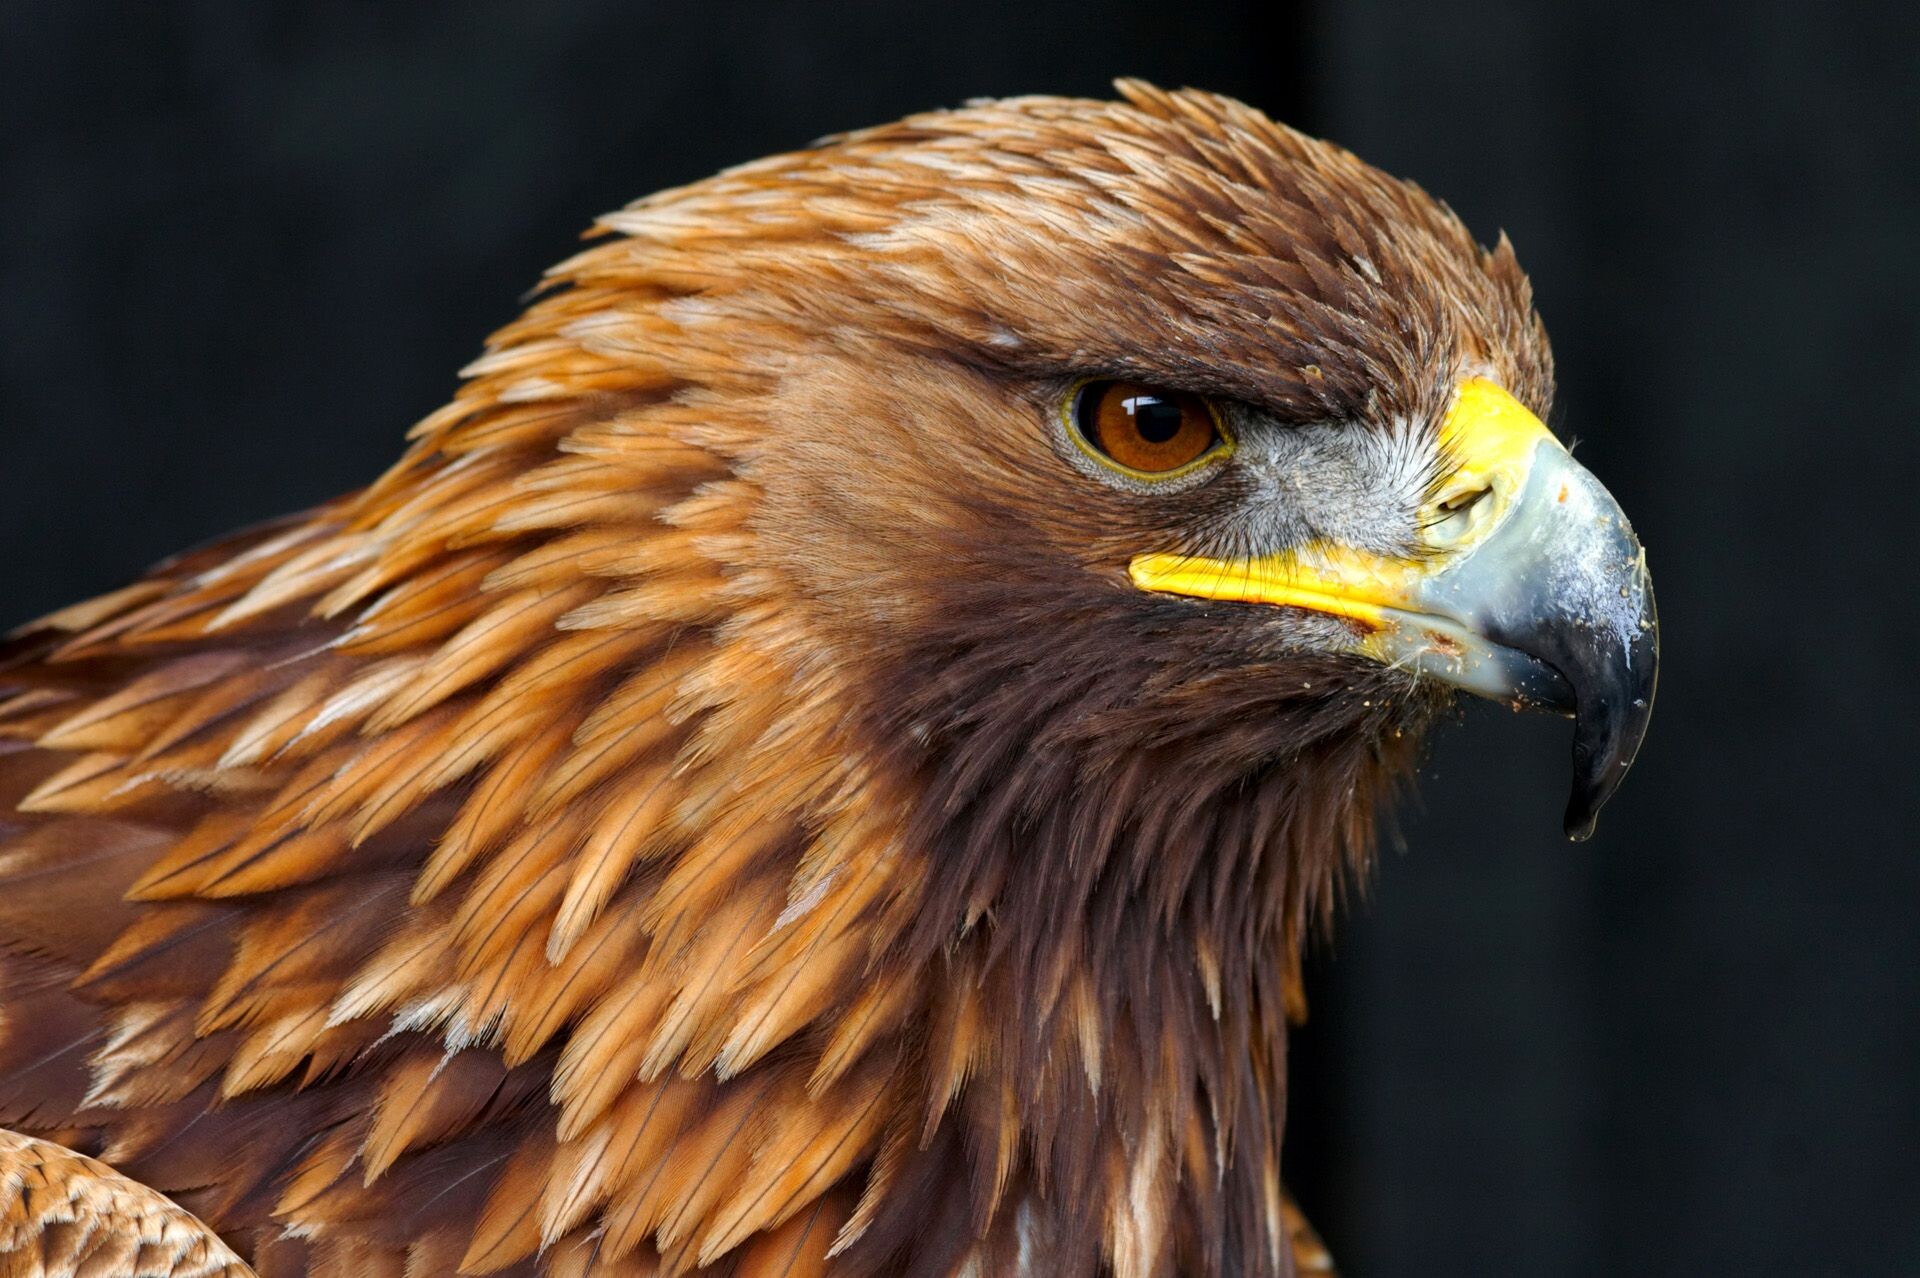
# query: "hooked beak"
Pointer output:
{"type": "Point", "coordinates": [1531, 589]}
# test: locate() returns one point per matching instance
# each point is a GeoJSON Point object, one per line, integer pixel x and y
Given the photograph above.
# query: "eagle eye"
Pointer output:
{"type": "Point", "coordinates": [1144, 431]}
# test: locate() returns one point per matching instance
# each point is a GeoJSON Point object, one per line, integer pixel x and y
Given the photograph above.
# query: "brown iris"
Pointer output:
{"type": "Point", "coordinates": [1144, 428]}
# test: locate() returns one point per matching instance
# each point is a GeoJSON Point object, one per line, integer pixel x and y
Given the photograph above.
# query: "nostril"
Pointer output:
{"type": "Point", "coordinates": [1454, 516]}
{"type": "Point", "coordinates": [1460, 503]}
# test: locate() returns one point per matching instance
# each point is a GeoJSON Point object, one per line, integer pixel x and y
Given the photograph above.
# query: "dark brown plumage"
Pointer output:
{"type": "Point", "coordinates": [719, 800]}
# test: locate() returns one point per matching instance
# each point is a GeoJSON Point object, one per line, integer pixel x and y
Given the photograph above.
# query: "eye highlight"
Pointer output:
{"type": "Point", "coordinates": [1145, 431]}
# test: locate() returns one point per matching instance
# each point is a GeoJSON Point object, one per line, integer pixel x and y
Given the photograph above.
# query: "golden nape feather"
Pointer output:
{"type": "Point", "coordinates": [728, 800]}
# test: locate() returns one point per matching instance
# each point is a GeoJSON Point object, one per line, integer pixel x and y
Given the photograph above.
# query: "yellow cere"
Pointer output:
{"type": "Point", "coordinates": [1491, 437]}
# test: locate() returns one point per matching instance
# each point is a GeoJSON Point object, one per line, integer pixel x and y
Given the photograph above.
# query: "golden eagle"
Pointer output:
{"type": "Point", "coordinates": [820, 759]}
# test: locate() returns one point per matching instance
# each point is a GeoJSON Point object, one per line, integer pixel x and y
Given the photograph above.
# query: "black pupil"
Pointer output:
{"type": "Point", "coordinates": [1157, 420]}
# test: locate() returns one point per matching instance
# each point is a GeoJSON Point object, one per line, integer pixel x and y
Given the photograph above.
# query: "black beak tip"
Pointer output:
{"type": "Point", "coordinates": [1582, 817]}
{"type": "Point", "coordinates": [1597, 773]}
{"type": "Point", "coordinates": [1609, 726]}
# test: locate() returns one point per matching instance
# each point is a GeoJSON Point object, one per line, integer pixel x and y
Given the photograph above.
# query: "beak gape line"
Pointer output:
{"type": "Point", "coordinates": [1534, 591]}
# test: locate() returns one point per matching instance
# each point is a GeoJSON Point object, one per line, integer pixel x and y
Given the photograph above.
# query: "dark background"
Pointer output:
{"type": "Point", "coordinates": [243, 246]}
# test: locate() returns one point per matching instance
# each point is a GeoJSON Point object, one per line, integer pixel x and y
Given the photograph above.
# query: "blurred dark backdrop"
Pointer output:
{"type": "Point", "coordinates": [243, 246]}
